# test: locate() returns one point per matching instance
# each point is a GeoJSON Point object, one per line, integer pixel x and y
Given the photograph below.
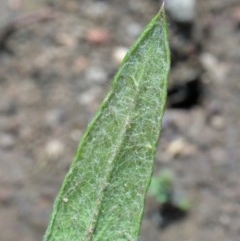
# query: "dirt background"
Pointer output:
{"type": "Point", "coordinates": [57, 60]}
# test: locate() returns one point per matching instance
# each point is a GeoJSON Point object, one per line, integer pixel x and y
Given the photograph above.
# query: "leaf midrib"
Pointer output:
{"type": "Point", "coordinates": [121, 138]}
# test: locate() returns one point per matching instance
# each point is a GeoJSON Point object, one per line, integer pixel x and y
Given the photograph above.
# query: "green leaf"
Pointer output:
{"type": "Point", "coordinates": [102, 197]}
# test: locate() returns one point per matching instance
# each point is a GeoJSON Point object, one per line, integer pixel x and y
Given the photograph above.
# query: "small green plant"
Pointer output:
{"type": "Point", "coordinates": [161, 186]}
{"type": "Point", "coordinates": [162, 189]}
{"type": "Point", "coordinates": [102, 197]}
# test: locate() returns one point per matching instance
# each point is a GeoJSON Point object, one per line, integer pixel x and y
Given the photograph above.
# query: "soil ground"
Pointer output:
{"type": "Point", "coordinates": [56, 66]}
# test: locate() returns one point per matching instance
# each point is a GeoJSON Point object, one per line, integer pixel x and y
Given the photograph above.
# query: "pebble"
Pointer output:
{"type": "Point", "coordinates": [96, 74]}
{"type": "Point", "coordinates": [213, 108]}
{"type": "Point", "coordinates": [55, 116]}
{"type": "Point", "coordinates": [54, 149]}
{"type": "Point", "coordinates": [180, 147]}
{"type": "Point", "coordinates": [217, 122]}
{"type": "Point", "coordinates": [81, 64]}
{"type": "Point", "coordinates": [215, 68]}
{"type": "Point", "coordinates": [89, 98]}
{"type": "Point", "coordinates": [225, 220]}
{"type": "Point", "coordinates": [7, 141]}
{"type": "Point", "coordinates": [66, 40]}
{"type": "Point", "coordinates": [97, 36]}
{"type": "Point", "coordinates": [119, 54]}
{"type": "Point", "coordinates": [97, 9]}
{"type": "Point", "coordinates": [182, 11]}
{"type": "Point", "coordinates": [134, 29]}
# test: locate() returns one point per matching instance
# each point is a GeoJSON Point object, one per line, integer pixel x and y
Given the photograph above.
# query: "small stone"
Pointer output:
{"type": "Point", "coordinates": [180, 147]}
{"type": "Point", "coordinates": [213, 108]}
{"type": "Point", "coordinates": [134, 29]}
{"type": "Point", "coordinates": [97, 9]}
{"type": "Point", "coordinates": [66, 40]}
{"type": "Point", "coordinates": [80, 64]}
{"type": "Point", "coordinates": [217, 122]}
{"type": "Point", "coordinates": [90, 98]}
{"type": "Point", "coordinates": [225, 220]}
{"type": "Point", "coordinates": [119, 54]}
{"type": "Point", "coordinates": [55, 116]}
{"type": "Point", "coordinates": [98, 36]}
{"type": "Point", "coordinates": [96, 74]}
{"type": "Point", "coordinates": [215, 68]}
{"type": "Point", "coordinates": [7, 141]}
{"type": "Point", "coordinates": [182, 11]}
{"type": "Point", "coordinates": [54, 149]}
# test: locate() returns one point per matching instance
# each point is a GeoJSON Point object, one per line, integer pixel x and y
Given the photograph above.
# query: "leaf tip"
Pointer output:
{"type": "Point", "coordinates": [162, 8]}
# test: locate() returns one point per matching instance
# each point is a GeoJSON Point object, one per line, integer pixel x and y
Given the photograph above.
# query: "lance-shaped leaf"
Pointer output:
{"type": "Point", "coordinates": [102, 197]}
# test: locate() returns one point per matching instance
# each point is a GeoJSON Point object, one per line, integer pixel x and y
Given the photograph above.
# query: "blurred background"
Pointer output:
{"type": "Point", "coordinates": [57, 61]}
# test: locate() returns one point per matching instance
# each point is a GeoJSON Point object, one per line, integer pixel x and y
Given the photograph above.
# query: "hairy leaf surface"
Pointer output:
{"type": "Point", "coordinates": [102, 197]}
